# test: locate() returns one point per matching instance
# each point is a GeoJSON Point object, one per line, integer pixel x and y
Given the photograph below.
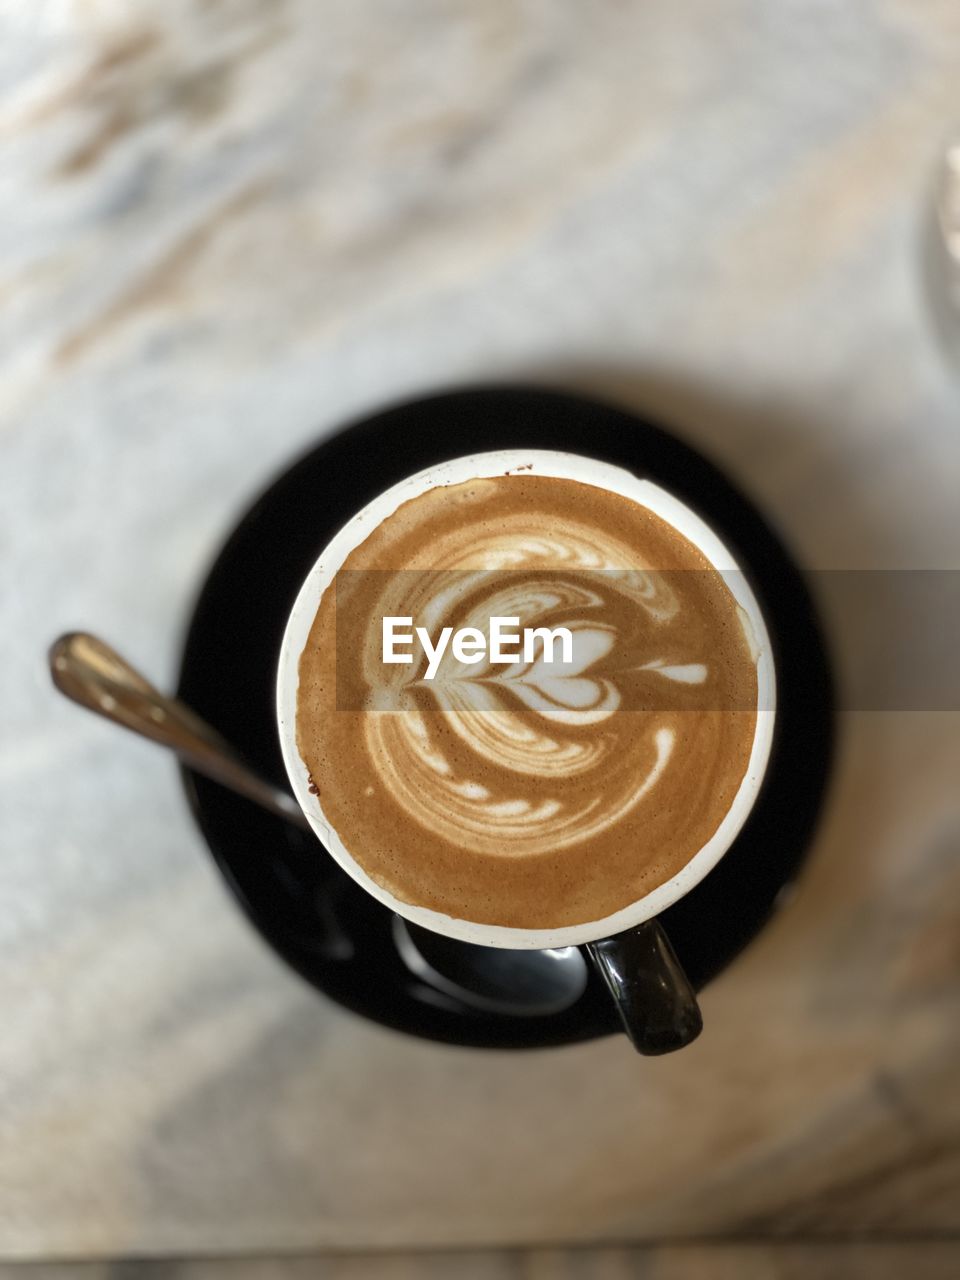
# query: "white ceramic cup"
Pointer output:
{"type": "Point", "coordinates": [568, 467]}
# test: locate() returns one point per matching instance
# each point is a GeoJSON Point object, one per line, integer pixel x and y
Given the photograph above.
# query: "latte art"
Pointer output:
{"type": "Point", "coordinates": [562, 785]}
{"type": "Point", "coordinates": [529, 719]}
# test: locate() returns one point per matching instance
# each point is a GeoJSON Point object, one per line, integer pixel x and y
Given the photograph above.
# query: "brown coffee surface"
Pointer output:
{"type": "Point", "coordinates": [528, 795]}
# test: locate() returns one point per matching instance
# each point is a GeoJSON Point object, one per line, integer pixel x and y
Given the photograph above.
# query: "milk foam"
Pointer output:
{"type": "Point", "coordinates": [534, 794]}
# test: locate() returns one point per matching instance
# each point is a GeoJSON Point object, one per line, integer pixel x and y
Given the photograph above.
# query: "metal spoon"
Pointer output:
{"type": "Point", "coordinates": [493, 979]}
{"type": "Point", "coordinates": [523, 983]}
{"type": "Point", "coordinates": [89, 672]}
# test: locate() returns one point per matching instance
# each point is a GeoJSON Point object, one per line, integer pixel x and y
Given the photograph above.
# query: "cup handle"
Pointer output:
{"type": "Point", "coordinates": [657, 1004]}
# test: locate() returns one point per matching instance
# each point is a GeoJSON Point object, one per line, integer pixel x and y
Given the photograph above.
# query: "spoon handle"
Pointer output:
{"type": "Point", "coordinates": [87, 671]}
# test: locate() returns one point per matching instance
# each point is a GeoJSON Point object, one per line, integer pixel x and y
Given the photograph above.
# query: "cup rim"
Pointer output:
{"type": "Point", "coordinates": [557, 464]}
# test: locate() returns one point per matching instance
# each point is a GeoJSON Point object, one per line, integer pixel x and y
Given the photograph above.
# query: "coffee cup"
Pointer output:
{"type": "Point", "coordinates": [627, 946]}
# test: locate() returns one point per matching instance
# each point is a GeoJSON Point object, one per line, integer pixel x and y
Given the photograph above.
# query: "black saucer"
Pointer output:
{"type": "Point", "coordinates": [311, 912]}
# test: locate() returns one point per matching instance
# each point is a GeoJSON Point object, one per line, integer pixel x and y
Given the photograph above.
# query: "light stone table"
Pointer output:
{"type": "Point", "coordinates": [227, 227]}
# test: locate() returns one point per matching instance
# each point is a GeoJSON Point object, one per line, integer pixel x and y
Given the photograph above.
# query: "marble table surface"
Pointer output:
{"type": "Point", "coordinates": [224, 229]}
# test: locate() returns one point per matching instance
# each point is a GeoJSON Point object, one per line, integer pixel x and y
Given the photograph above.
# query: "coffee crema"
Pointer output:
{"type": "Point", "coordinates": [532, 795]}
